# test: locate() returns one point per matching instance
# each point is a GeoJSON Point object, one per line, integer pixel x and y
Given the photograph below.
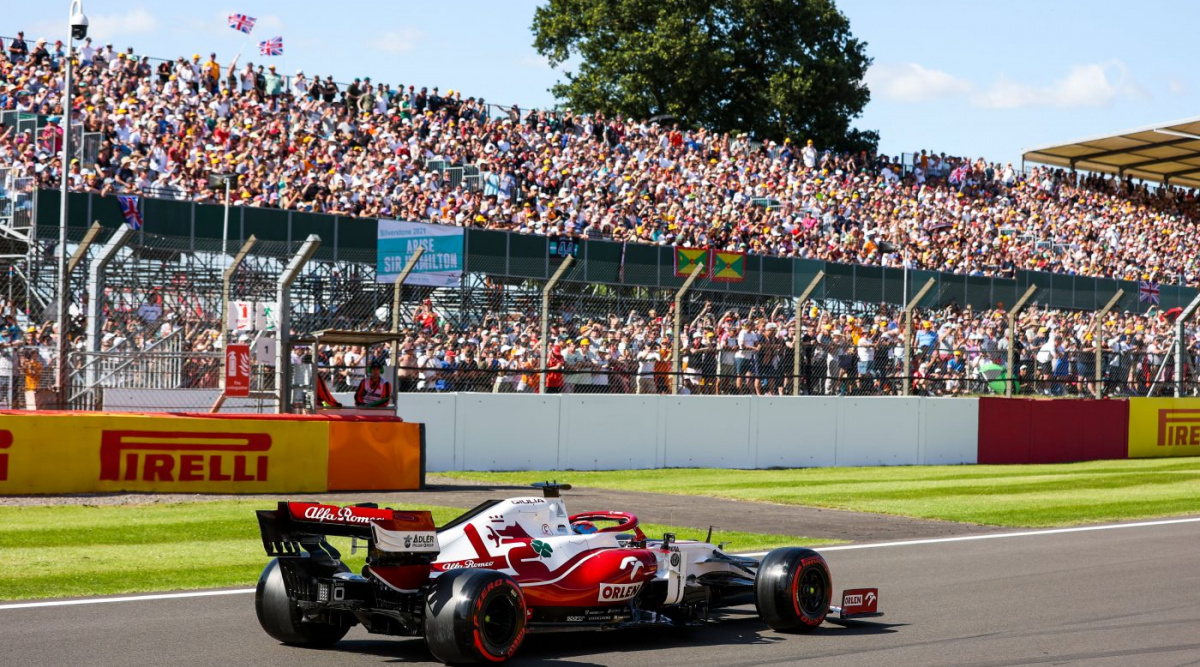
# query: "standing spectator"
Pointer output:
{"type": "Point", "coordinates": [18, 49]}
{"type": "Point", "coordinates": [329, 90]}
{"type": "Point", "coordinates": [406, 371]}
{"type": "Point", "coordinates": [353, 93]}
{"type": "Point", "coordinates": [32, 365]}
{"type": "Point", "coordinates": [273, 86]}
{"type": "Point", "coordinates": [87, 52]}
{"type": "Point", "coordinates": [554, 368]}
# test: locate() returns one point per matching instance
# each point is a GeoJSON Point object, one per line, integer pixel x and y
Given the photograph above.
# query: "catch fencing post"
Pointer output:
{"type": "Point", "coordinates": [1179, 350]}
{"type": "Point", "coordinates": [226, 288]}
{"type": "Point", "coordinates": [86, 243]}
{"type": "Point", "coordinates": [797, 351]}
{"type": "Point", "coordinates": [1012, 336]}
{"type": "Point", "coordinates": [908, 310]}
{"type": "Point", "coordinates": [545, 343]}
{"type": "Point", "coordinates": [96, 283]}
{"type": "Point", "coordinates": [283, 318]}
{"type": "Point", "coordinates": [395, 353]}
{"type": "Point", "coordinates": [1097, 332]}
{"type": "Point", "coordinates": [676, 365]}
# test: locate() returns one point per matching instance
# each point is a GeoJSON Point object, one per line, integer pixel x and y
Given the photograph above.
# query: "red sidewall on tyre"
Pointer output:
{"type": "Point", "coordinates": [793, 589]}
{"type": "Point", "coordinates": [475, 616]}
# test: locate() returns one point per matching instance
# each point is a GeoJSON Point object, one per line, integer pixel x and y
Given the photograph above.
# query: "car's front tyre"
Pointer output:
{"type": "Point", "coordinates": [793, 589]}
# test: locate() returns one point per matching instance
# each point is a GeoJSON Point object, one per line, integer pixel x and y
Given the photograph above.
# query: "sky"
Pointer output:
{"type": "Point", "coordinates": [982, 79]}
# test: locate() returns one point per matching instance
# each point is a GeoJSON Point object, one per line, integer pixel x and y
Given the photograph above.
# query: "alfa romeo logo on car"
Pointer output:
{"type": "Point", "coordinates": [541, 548]}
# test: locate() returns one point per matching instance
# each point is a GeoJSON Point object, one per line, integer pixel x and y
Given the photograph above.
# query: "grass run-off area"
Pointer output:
{"type": "Point", "coordinates": [1013, 495]}
{"type": "Point", "coordinates": [74, 550]}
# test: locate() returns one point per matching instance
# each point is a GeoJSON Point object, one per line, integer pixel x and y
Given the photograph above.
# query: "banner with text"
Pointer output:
{"type": "Point", "coordinates": [90, 453]}
{"type": "Point", "coordinates": [441, 265]}
{"type": "Point", "coordinates": [1164, 427]}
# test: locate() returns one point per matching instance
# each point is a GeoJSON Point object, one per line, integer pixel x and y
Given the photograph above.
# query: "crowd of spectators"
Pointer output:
{"type": "Point", "coordinates": [309, 144]}
{"type": "Point", "coordinates": [752, 351]}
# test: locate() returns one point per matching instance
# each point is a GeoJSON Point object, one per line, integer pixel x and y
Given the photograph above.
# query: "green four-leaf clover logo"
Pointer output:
{"type": "Point", "coordinates": [541, 548]}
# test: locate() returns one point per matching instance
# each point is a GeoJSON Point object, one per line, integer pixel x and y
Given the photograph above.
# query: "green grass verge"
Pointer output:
{"type": "Point", "coordinates": [73, 550]}
{"type": "Point", "coordinates": [1016, 495]}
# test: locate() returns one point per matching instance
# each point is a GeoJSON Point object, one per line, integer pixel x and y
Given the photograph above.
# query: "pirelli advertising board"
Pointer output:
{"type": "Point", "coordinates": [1164, 427]}
{"type": "Point", "coordinates": [81, 453]}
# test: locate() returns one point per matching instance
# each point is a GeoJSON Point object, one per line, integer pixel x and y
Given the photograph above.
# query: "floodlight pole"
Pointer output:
{"type": "Point", "coordinates": [1012, 335]}
{"type": "Point", "coordinates": [61, 375]}
{"type": "Point", "coordinates": [797, 350]}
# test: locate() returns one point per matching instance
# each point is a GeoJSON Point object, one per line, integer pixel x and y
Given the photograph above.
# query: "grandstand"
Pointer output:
{"type": "Point", "coordinates": [628, 190]}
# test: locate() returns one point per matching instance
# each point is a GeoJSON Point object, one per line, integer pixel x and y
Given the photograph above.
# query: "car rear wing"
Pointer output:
{"type": "Point", "coordinates": [293, 529]}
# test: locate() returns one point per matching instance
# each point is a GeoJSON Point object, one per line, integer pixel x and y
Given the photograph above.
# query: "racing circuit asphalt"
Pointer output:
{"type": "Point", "coordinates": [1125, 596]}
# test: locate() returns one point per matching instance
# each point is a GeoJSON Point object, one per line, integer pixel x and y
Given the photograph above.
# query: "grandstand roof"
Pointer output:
{"type": "Point", "coordinates": [1167, 153]}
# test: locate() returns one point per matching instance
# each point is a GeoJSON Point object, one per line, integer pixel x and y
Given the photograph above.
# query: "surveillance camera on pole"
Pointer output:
{"type": "Point", "coordinates": [79, 22]}
{"type": "Point", "coordinates": [79, 26]}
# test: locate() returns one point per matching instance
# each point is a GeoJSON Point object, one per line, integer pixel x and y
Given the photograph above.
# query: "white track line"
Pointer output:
{"type": "Point", "coordinates": [844, 547]}
{"type": "Point", "coordinates": [132, 598]}
{"type": "Point", "coordinates": [996, 536]}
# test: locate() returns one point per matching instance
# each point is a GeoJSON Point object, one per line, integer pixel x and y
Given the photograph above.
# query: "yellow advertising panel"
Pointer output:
{"type": "Point", "coordinates": [1164, 427]}
{"type": "Point", "coordinates": [83, 453]}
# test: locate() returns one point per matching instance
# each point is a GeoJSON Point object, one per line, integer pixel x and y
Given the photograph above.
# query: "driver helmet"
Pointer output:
{"type": "Point", "coordinates": [584, 527]}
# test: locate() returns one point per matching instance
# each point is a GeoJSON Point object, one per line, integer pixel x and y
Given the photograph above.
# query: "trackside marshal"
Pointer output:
{"type": "Point", "coordinates": [440, 266]}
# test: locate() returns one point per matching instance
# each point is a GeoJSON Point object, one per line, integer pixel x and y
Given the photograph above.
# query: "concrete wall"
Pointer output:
{"type": "Point", "coordinates": [573, 432]}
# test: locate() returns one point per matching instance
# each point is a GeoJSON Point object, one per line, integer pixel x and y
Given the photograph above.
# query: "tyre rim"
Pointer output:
{"type": "Point", "coordinates": [499, 622]}
{"type": "Point", "coordinates": [812, 592]}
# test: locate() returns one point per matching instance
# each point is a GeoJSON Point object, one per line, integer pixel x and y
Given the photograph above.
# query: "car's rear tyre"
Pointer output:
{"type": "Point", "coordinates": [474, 616]}
{"type": "Point", "coordinates": [281, 618]}
{"type": "Point", "coordinates": [793, 589]}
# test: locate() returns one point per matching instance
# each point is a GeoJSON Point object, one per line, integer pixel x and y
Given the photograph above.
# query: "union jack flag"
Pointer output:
{"type": "Point", "coordinates": [271, 47]}
{"type": "Point", "coordinates": [1148, 291]}
{"type": "Point", "coordinates": [129, 209]}
{"type": "Point", "coordinates": [242, 23]}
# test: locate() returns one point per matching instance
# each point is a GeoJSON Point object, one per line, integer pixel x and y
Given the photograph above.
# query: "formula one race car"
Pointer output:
{"type": "Point", "coordinates": [474, 587]}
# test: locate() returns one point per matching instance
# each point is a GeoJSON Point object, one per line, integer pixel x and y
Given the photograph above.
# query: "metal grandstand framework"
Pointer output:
{"type": "Point", "coordinates": [1164, 153]}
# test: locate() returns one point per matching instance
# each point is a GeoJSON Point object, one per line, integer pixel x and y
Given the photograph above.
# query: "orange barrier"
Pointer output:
{"type": "Point", "coordinates": [74, 452]}
{"type": "Point", "coordinates": [376, 455]}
